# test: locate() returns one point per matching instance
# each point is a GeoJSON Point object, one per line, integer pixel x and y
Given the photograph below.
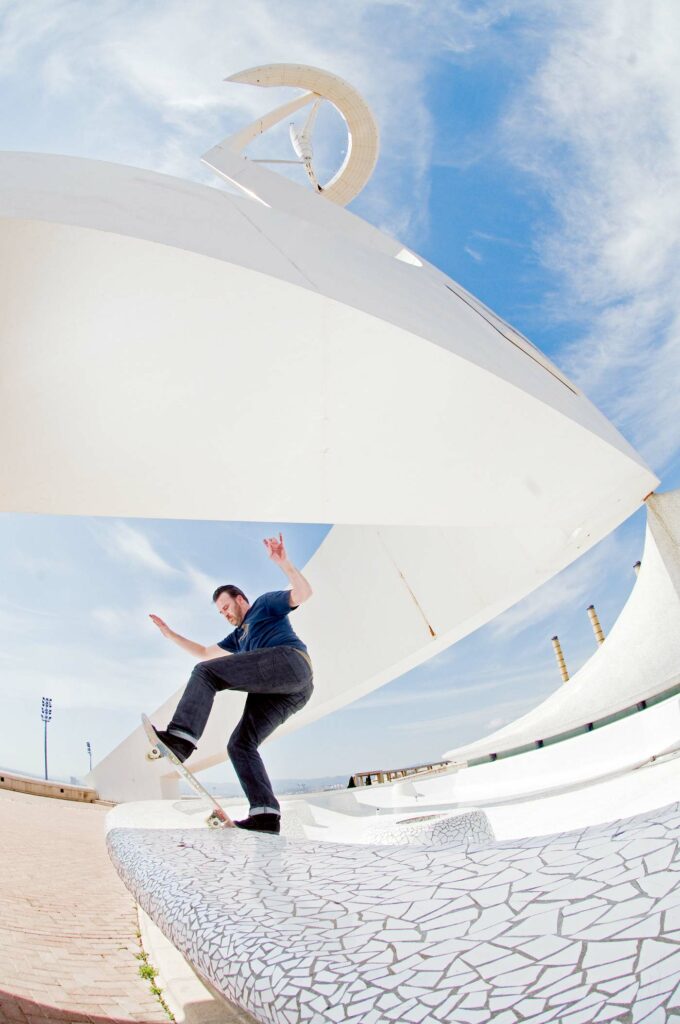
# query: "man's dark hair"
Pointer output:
{"type": "Point", "coordinates": [230, 589]}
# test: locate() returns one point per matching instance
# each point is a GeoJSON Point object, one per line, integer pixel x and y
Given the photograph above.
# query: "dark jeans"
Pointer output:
{"type": "Point", "coordinates": [278, 681]}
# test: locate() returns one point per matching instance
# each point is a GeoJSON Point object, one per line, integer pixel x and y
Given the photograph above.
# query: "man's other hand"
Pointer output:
{"type": "Point", "coordinates": [163, 626]}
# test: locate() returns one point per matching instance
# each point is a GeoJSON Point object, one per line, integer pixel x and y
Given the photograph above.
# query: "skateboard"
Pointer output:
{"type": "Point", "coordinates": [218, 817]}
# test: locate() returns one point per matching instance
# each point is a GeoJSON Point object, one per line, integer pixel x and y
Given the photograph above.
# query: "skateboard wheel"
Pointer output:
{"type": "Point", "coordinates": [214, 821]}
{"type": "Point", "coordinates": [153, 754]}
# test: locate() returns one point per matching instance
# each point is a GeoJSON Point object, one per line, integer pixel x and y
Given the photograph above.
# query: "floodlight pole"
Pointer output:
{"type": "Point", "coordinates": [46, 715]}
{"type": "Point", "coordinates": [89, 752]}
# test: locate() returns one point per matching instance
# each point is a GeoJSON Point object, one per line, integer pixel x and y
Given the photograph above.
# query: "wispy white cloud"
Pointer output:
{"type": "Point", "coordinates": [179, 608]}
{"type": "Point", "coordinates": [125, 541]}
{"type": "Point", "coordinates": [149, 77]}
{"type": "Point", "coordinates": [15, 622]}
{"type": "Point", "coordinates": [39, 566]}
{"type": "Point", "coordinates": [200, 582]}
{"type": "Point", "coordinates": [486, 236]}
{"type": "Point", "coordinates": [450, 689]}
{"type": "Point", "coordinates": [472, 720]}
{"type": "Point", "coordinates": [112, 620]}
{"type": "Point", "coordinates": [81, 675]}
{"type": "Point", "coordinates": [419, 694]}
{"type": "Point", "coordinates": [568, 590]}
{"type": "Point", "coordinates": [597, 126]}
{"type": "Point", "coordinates": [15, 613]}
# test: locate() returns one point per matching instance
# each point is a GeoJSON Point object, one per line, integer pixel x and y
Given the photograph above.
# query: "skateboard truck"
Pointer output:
{"type": "Point", "coordinates": [218, 817]}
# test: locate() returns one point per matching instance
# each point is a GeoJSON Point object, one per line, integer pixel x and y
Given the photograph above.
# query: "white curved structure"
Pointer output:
{"type": "Point", "coordinates": [134, 304]}
{"type": "Point", "coordinates": [139, 314]}
{"type": "Point", "coordinates": [639, 660]}
{"type": "Point", "coordinates": [362, 131]}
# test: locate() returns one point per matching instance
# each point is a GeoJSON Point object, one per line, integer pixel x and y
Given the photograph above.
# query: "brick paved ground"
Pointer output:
{"type": "Point", "coordinates": [67, 924]}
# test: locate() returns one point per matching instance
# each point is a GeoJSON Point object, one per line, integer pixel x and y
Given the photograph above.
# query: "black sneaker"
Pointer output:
{"type": "Point", "coordinates": [180, 747]}
{"type": "Point", "coordinates": [261, 823]}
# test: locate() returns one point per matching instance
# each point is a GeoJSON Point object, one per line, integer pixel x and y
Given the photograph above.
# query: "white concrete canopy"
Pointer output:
{"type": "Point", "coordinates": [133, 304]}
{"type": "Point", "coordinates": [460, 467]}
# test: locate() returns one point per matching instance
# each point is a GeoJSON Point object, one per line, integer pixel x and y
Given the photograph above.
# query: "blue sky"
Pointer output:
{"type": "Point", "coordinates": [529, 149]}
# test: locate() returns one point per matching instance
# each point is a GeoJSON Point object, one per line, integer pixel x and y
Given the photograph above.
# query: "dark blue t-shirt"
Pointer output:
{"type": "Point", "coordinates": [265, 625]}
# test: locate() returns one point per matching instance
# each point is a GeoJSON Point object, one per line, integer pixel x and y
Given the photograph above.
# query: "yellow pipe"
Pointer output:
{"type": "Point", "coordinates": [561, 663]}
{"type": "Point", "coordinates": [595, 623]}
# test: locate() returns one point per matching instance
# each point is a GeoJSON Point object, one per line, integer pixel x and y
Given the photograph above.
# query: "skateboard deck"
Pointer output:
{"type": "Point", "coordinates": [218, 817]}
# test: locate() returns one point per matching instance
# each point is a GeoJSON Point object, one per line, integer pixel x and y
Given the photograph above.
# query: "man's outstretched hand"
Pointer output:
{"type": "Point", "coordinates": [276, 550]}
{"type": "Point", "coordinates": [163, 626]}
{"type": "Point", "coordinates": [300, 589]}
{"type": "Point", "coordinates": [190, 646]}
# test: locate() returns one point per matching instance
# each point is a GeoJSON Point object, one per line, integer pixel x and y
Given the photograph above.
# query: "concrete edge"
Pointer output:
{"type": "Point", "coordinates": [43, 787]}
{"type": "Point", "coordinates": [189, 998]}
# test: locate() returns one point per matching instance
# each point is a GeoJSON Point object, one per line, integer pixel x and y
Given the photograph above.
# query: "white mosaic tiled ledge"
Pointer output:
{"type": "Point", "coordinates": [579, 927]}
{"type": "Point", "coordinates": [441, 828]}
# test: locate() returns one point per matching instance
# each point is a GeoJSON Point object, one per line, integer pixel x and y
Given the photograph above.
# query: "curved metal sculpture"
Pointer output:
{"type": "Point", "coordinates": [362, 129]}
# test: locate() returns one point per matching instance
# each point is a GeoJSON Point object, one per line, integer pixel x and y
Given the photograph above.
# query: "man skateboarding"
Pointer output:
{"type": "Point", "coordinates": [262, 656]}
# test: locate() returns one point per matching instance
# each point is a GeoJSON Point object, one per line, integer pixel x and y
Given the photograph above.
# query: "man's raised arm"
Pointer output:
{"type": "Point", "coordinates": [300, 588]}
{"type": "Point", "coordinates": [190, 646]}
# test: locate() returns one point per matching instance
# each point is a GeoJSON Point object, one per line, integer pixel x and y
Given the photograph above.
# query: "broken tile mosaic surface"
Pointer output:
{"type": "Point", "coordinates": [443, 929]}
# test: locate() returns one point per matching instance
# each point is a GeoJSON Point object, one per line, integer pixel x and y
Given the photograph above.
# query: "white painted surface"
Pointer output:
{"type": "Point", "coordinates": [639, 658]}
{"type": "Point", "coordinates": [637, 791]}
{"type": "Point", "coordinates": [619, 748]}
{"type": "Point", "coordinates": [162, 334]}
